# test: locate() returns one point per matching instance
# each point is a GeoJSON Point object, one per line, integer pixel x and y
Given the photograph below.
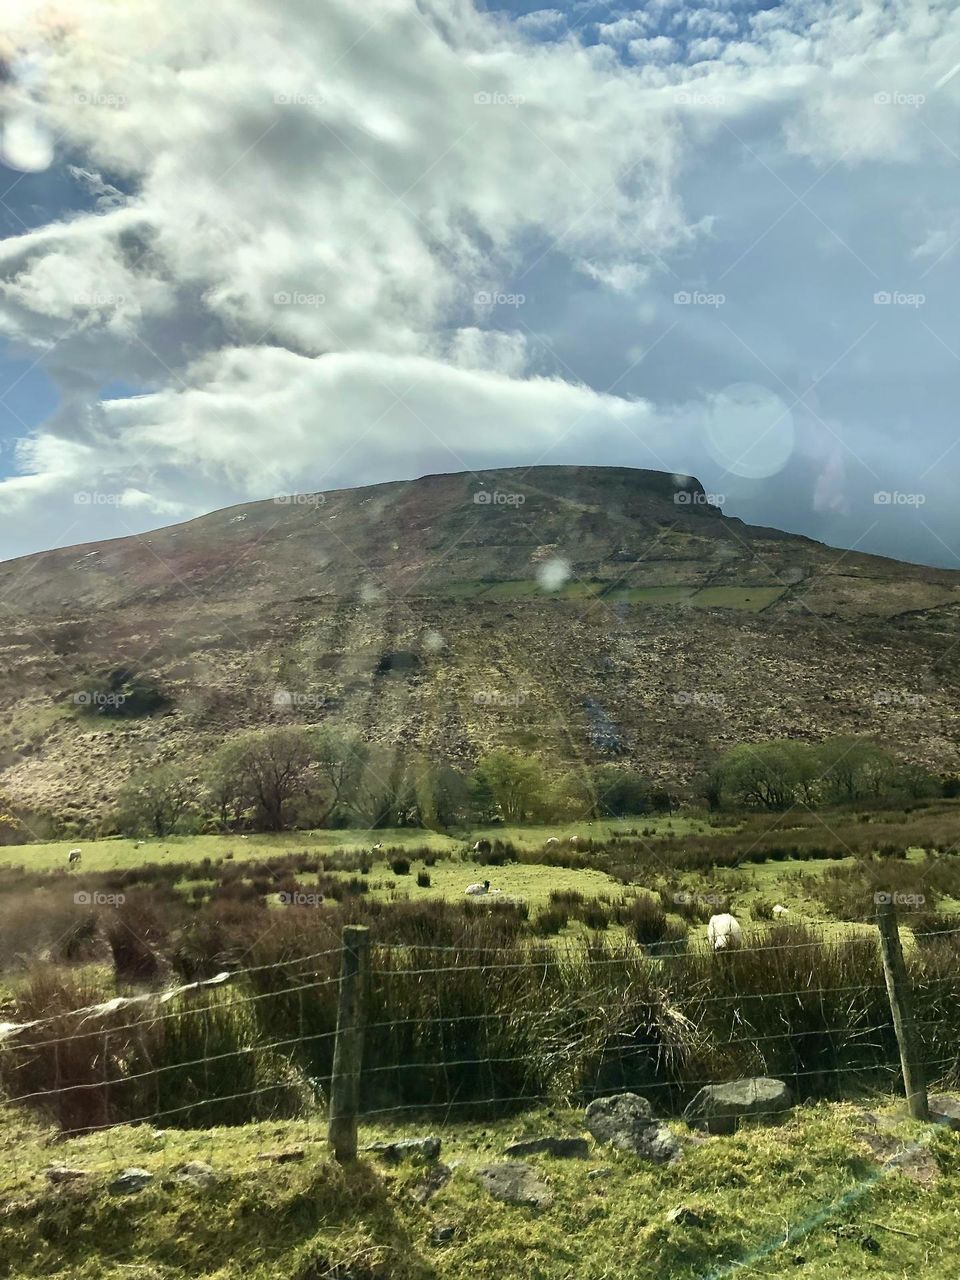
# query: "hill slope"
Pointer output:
{"type": "Point", "coordinates": [581, 612]}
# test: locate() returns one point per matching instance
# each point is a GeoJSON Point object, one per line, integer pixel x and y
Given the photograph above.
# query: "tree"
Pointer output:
{"type": "Point", "coordinates": [515, 784]}
{"type": "Point", "coordinates": [265, 768]}
{"type": "Point", "coordinates": [341, 759]}
{"type": "Point", "coordinates": [765, 775]}
{"type": "Point", "coordinates": [855, 769]}
{"type": "Point", "coordinates": [154, 800]}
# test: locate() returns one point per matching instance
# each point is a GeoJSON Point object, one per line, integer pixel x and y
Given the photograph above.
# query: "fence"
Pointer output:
{"type": "Point", "coordinates": [371, 1031]}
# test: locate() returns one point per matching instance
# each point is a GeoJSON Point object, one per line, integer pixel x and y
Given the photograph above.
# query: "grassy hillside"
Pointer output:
{"type": "Point", "coordinates": [807, 1198]}
{"type": "Point", "coordinates": [433, 623]}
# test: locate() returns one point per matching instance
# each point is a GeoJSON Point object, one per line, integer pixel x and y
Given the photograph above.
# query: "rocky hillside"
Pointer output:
{"type": "Point", "coordinates": [582, 613]}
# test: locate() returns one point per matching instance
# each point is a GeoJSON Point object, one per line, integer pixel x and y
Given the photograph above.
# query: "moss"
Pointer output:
{"type": "Point", "coordinates": [763, 1198]}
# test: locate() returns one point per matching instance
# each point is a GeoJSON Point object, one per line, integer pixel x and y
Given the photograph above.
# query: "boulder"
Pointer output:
{"type": "Point", "coordinates": [284, 1156]}
{"type": "Point", "coordinates": [60, 1173]}
{"type": "Point", "coordinates": [560, 1148]}
{"type": "Point", "coordinates": [406, 1149]}
{"type": "Point", "coordinates": [197, 1173]}
{"type": "Point", "coordinates": [684, 1216]}
{"type": "Point", "coordinates": [129, 1181]}
{"type": "Point", "coordinates": [626, 1121]}
{"type": "Point", "coordinates": [515, 1183]}
{"type": "Point", "coordinates": [721, 1108]}
{"type": "Point", "coordinates": [945, 1110]}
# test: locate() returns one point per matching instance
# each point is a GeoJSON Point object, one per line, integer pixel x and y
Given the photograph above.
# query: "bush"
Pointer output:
{"type": "Point", "coordinates": [423, 879]}
{"type": "Point", "coordinates": [400, 866]}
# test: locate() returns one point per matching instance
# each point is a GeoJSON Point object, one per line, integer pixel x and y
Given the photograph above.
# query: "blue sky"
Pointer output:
{"type": "Point", "coordinates": [332, 246]}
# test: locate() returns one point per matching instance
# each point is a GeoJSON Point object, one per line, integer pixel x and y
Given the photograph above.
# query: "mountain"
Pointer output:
{"type": "Point", "coordinates": [578, 612]}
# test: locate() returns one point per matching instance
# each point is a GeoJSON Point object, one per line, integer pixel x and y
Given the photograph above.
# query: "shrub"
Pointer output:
{"type": "Point", "coordinates": [423, 879]}
{"type": "Point", "coordinates": [400, 866]}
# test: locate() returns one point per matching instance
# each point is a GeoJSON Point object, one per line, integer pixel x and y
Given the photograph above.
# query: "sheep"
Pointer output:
{"type": "Point", "coordinates": [377, 847]}
{"type": "Point", "coordinates": [574, 840]}
{"type": "Point", "coordinates": [779, 910]}
{"type": "Point", "coordinates": [552, 843]}
{"type": "Point", "coordinates": [73, 857]}
{"type": "Point", "coordinates": [475, 890]}
{"type": "Point", "coordinates": [483, 846]}
{"type": "Point", "coordinates": [724, 932]}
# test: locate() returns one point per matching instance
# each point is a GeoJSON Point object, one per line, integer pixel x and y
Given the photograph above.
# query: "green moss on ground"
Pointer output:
{"type": "Point", "coordinates": [765, 1198]}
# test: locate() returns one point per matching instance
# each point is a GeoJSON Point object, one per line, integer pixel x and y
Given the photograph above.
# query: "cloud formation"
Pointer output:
{"type": "Point", "coordinates": [338, 244]}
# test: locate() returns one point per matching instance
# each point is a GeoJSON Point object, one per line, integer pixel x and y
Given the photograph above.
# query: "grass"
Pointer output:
{"type": "Point", "coordinates": [767, 1197]}
{"type": "Point", "coordinates": [752, 599]}
{"type": "Point", "coordinates": [119, 852]}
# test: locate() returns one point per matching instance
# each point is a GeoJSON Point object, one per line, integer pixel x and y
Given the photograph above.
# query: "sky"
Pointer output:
{"type": "Point", "coordinates": [255, 248]}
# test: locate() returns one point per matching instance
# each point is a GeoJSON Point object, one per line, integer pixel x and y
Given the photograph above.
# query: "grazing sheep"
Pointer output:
{"type": "Point", "coordinates": [552, 843]}
{"type": "Point", "coordinates": [483, 846]}
{"type": "Point", "coordinates": [73, 856]}
{"type": "Point", "coordinates": [377, 847]}
{"type": "Point", "coordinates": [778, 910]}
{"type": "Point", "coordinates": [475, 890]}
{"type": "Point", "coordinates": [724, 932]}
{"type": "Point", "coordinates": [574, 840]}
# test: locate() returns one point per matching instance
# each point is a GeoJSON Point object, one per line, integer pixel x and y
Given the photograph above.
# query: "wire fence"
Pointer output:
{"type": "Point", "coordinates": [369, 1030]}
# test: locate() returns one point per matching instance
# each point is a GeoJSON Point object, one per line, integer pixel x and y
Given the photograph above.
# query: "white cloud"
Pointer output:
{"type": "Point", "coordinates": [319, 194]}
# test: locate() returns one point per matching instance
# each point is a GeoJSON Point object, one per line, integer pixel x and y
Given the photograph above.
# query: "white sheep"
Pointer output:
{"type": "Point", "coordinates": [779, 910]}
{"type": "Point", "coordinates": [724, 932]}
{"type": "Point", "coordinates": [475, 890]}
{"type": "Point", "coordinates": [73, 856]}
{"type": "Point", "coordinates": [552, 843]}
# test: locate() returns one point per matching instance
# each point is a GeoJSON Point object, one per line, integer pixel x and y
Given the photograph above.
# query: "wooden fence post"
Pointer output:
{"type": "Point", "coordinates": [901, 1006]}
{"type": "Point", "coordinates": [348, 1049]}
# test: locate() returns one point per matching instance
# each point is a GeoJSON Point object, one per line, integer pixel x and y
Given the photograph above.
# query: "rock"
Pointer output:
{"type": "Point", "coordinates": [406, 1149]}
{"type": "Point", "coordinates": [284, 1156]}
{"type": "Point", "coordinates": [436, 1179]}
{"type": "Point", "coordinates": [60, 1173]}
{"type": "Point", "coordinates": [515, 1183]}
{"type": "Point", "coordinates": [720, 1108]}
{"type": "Point", "coordinates": [443, 1235]}
{"type": "Point", "coordinates": [600, 1173]}
{"type": "Point", "coordinates": [945, 1110]}
{"type": "Point", "coordinates": [684, 1216]}
{"type": "Point", "coordinates": [197, 1173]}
{"type": "Point", "coordinates": [626, 1121]}
{"type": "Point", "coordinates": [561, 1148]}
{"type": "Point", "coordinates": [130, 1180]}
